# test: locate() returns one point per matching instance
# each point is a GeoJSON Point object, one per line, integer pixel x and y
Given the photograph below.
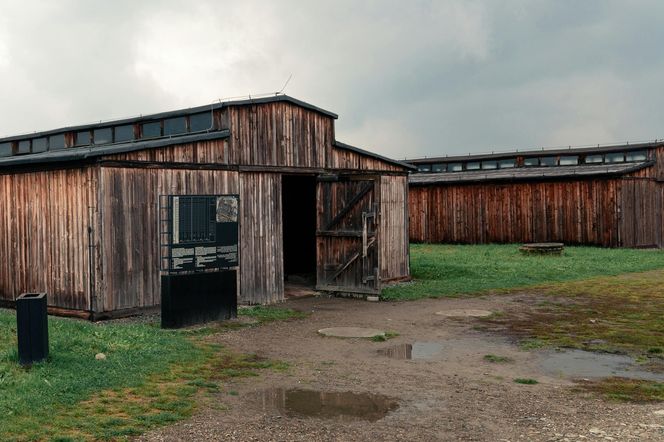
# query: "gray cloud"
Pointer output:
{"type": "Point", "coordinates": [407, 78]}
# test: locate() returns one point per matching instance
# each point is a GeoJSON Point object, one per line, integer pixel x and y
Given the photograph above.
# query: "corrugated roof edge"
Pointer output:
{"type": "Point", "coordinates": [540, 152]}
{"type": "Point", "coordinates": [174, 113]}
{"type": "Point", "coordinates": [420, 179]}
{"type": "Point", "coordinates": [84, 153]}
{"type": "Point", "coordinates": [341, 145]}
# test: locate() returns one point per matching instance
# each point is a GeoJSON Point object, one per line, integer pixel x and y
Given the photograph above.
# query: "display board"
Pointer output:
{"type": "Point", "coordinates": [198, 232]}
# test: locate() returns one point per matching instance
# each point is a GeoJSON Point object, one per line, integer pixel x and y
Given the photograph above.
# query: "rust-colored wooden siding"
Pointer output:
{"type": "Point", "coordinates": [641, 213]}
{"type": "Point", "coordinates": [574, 212]}
{"type": "Point", "coordinates": [394, 247]}
{"type": "Point", "coordinates": [279, 134]}
{"type": "Point", "coordinates": [348, 160]}
{"type": "Point", "coordinates": [130, 230]}
{"type": "Point", "coordinates": [283, 134]}
{"type": "Point", "coordinates": [201, 152]}
{"type": "Point", "coordinates": [261, 239]}
{"type": "Point", "coordinates": [44, 220]}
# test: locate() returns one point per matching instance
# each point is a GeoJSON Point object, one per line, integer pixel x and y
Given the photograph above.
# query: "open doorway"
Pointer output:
{"type": "Point", "coordinates": [299, 224]}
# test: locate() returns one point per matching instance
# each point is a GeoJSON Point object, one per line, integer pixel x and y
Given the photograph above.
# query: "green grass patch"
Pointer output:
{"type": "Point", "coordinates": [625, 390]}
{"type": "Point", "coordinates": [265, 314]}
{"type": "Point", "coordinates": [497, 359]}
{"type": "Point", "coordinates": [616, 314]}
{"type": "Point", "coordinates": [151, 377]}
{"type": "Point", "coordinates": [452, 270]}
{"type": "Point", "coordinates": [526, 381]}
{"type": "Point", "coordinates": [385, 337]}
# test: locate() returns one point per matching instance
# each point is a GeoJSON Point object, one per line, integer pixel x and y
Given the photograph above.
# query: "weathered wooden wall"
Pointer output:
{"type": "Point", "coordinates": [574, 212]}
{"type": "Point", "coordinates": [261, 239]}
{"type": "Point", "coordinates": [278, 134]}
{"type": "Point", "coordinates": [641, 213]}
{"type": "Point", "coordinates": [44, 247]}
{"type": "Point", "coordinates": [200, 152]}
{"type": "Point", "coordinates": [285, 135]}
{"type": "Point", "coordinates": [129, 202]}
{"type": "Point", "coordinates": [394, 243]}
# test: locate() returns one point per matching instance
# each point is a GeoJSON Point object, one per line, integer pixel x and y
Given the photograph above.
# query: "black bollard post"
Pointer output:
{"type": "Point", "coordinates": [32, 328]}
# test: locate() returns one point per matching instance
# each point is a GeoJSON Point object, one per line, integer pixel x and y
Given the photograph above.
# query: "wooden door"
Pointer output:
{"type": "Point", "coordinates": [347, 234]}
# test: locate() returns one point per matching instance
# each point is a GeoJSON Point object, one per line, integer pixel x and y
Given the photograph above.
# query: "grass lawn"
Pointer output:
{"type": "Point", "coordinates": [150, 377]}
{"type": "Point", "coordinates": [450, 270]}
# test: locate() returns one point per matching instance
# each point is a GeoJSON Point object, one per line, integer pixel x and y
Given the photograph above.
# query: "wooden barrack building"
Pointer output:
{"type": "Point", "coordinates": [79, 206]}
{"type": "Point", "coordinates": [609, 196]}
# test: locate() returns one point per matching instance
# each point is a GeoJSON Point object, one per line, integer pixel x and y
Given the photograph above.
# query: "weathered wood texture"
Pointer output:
{"type": "Point", "coordinates": [44, 247]}
{"type": "Point", "coordinates": [130, 227]}
{"type": "Point", "coordinates": [201, 152]}
{"type": "Point", "coordinates": [279, 134]}
{"type": "Point", "coordinates": [574, 212]}
{"type": "Point", "coordinates": [286, 135]}
{"type": "Point", "coordinates": [346, 244]}
{"type": "Point", "coordinates": [394, 244]}
{"type": "Point", "coordinates": [641, 213]}
{"type": "Point", "coordinates": [261, 239]}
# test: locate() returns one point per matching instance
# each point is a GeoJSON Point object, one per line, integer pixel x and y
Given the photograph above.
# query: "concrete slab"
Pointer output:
{"type": "Point", "coordinates": [464, 313]}
{"type": "Point", "coordinates": [351, 332]}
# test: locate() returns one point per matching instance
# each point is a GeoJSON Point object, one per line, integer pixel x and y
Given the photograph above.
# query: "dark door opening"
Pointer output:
{"type": "Point", "coordinates": [299, 223]}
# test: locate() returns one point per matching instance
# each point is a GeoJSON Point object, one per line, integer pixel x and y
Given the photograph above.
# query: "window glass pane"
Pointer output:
{"type": "Point", "coordinates": [454, 167]}
{"type": "Point", "coordinates": [39, 145]}
{"type": "Point", "coordinates": [548, 161]}
{"type": "Point", "coordinates": [124, 133]}
{"type": "Point", "coordinates": [615, 157]}
{"type": "Point", "coordinates": [424, 167]}
{"type": "Point", "coordinates": [5, 149]}
{"type": "Point", "coordinates": [103, 136]}
{"type": "Point", "coordinates": [473, 165]}
{"type": "Point", "coordinates": [200, 122]}
{"type": "Point", "coordinates": [531, 162]}
{"type": "Point", "coordinates": [506, 164]}
{"type": "Point", "coordinates": [489, 164]}
{"type": "Point", "coordinates": [83, 138]}
{"type": "Point", "coordinates": [637, 155]}
{"type": "Point", "coordinates": [593, 159]}
{"type": "Point", "coordinates": [23, 147]}
{"type": "Point", "coordinates": [570, 160]}
{"type": "Point", "coordinates": [439, 167]}
{"type": "Point", "coordinates": [151, 130]}
{"type": "Point", "coordinates": [56, 142]}
{"type": "Point", "coordinates": [173, 126]}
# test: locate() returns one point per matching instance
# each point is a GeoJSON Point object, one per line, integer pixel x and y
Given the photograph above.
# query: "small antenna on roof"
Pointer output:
{"type": "Point", "coordinates": [285, 84]}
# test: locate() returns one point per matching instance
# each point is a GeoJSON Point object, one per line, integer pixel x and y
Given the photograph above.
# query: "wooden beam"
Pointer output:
{"type": "Point", "coordinates": [343, 212]}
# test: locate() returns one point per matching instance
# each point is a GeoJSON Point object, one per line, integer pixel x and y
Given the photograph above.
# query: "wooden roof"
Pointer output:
{"type": "Point", "coordinates": [587, 150]}
{"type": "Point", "coordinates": [526, 173]}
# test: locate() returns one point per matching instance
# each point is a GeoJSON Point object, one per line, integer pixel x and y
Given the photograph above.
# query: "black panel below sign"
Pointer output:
{"type": "Point", "coordinates": [198, 298]}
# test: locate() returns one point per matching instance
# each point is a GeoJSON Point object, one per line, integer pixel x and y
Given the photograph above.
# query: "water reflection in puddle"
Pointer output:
{"type": "Point", "coordinates": [417, 350]}
{"type": "Point", "coordinates": [586, 364]}
{"type": "Point", "coordinates": [327, 405]}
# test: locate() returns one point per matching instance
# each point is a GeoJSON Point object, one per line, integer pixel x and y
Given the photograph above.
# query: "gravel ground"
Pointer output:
{"type": "Point", "coordinates": [454, 396]}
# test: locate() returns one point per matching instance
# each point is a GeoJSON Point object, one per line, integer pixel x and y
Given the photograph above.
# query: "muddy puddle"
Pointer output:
{"type": "Point", "coordinates": [591, 365]}
{"type": "Point", "coordinates": [344, 406]}
{"type": "Point", "coordinates": [417, 350]}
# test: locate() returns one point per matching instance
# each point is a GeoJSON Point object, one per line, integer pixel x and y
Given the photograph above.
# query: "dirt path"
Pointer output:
{"type": "Point", "coordinates": [456, 395]}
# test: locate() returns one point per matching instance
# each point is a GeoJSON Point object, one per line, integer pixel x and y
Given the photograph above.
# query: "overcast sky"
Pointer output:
{"type": "Point", "coordinates": [407, 78]}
